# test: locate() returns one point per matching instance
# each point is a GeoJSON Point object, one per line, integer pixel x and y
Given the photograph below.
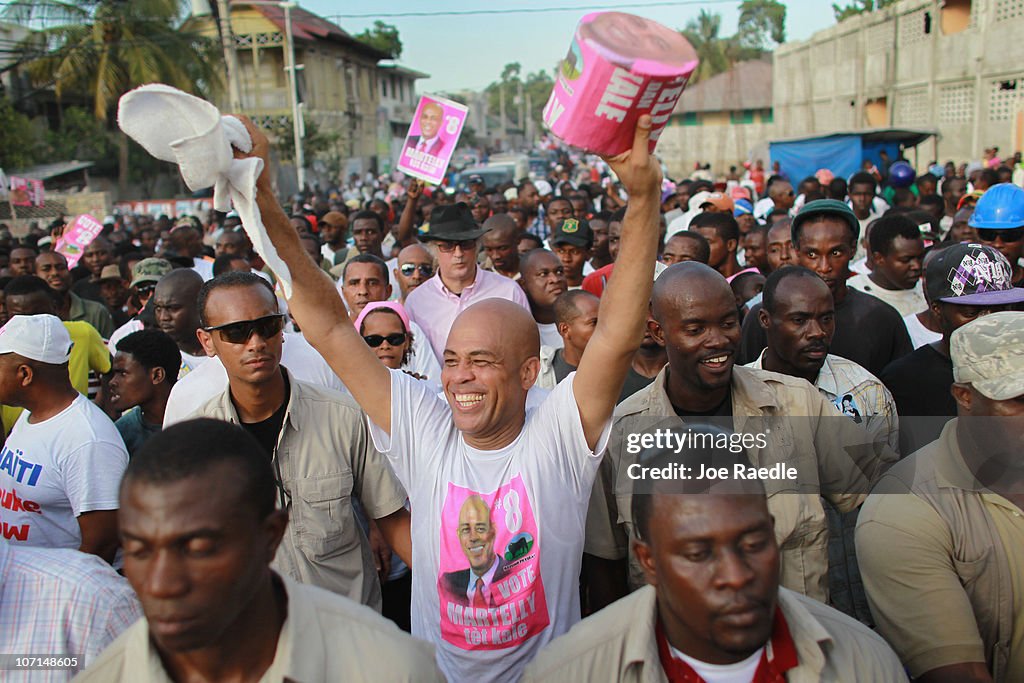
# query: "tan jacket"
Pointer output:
{"type": "Point", "coordinates": [938, 575]}
{"type": "Point", "coordinates": [833, 457]}
{"type": "Point", "coordinates": [326, 458]}
{"type": "Point", "coordinates": [618, 644]}
{"type": "Point", "coordinates": [324, 638]}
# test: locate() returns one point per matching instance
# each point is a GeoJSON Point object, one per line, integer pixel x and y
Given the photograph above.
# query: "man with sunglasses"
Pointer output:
{"type": "Point", "coordinates": [460, 282]}
{"type": "Point", "coordinates": [999, 220]}
{"type": "Point", "coordinates": [481, 439]}
{"type": "Point", "coordinates": [317, 440]}
{"type": "Point", "coordinates": [415, 266]}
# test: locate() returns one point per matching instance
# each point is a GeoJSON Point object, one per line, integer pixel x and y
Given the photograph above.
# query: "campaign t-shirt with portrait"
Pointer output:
{"type": "Point", "coordinates": [497, 535]}
{"type": "Point", "coordinates": [53, 471]}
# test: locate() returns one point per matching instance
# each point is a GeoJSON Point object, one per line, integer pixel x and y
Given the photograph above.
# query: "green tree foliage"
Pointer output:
{"type": "Point", "coordinates": [762, 24]}
{"type": "Point", "coordinates": [383, 37]}
{"type": "Point", "coordinates": [859, 7]}
{"type": "Point", "coordinates": [716, 53]}
{"type": "Point", "coordinates": [315, 144]}
{"type": "Point", "coordinates": [537, 85]}
{"type": "Point", "coordinates": [19, 140]}
{"type": "Point", "coordinates": [101, 49]}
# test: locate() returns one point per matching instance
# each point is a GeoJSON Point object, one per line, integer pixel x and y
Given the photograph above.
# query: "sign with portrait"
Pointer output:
{"type": "Point", "coordinates": [432, 138]}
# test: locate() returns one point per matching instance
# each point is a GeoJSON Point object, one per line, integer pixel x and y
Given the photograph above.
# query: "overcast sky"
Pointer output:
{"type": "Point", "coordinates": [469, 51]}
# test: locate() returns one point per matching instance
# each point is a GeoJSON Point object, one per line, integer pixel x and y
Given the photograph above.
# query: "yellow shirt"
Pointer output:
{"type": "Point", "coordinates": [88, 352]}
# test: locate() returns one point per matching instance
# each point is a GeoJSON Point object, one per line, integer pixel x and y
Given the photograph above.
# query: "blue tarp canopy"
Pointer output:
{"type": "Point", "coordinates": [841, 153]}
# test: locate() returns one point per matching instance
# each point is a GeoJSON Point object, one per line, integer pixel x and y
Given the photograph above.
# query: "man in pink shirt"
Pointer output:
{"type": "Point", "coordinates": [459, 282]}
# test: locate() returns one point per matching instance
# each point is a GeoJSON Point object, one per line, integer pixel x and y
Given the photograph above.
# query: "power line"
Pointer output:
{"type": "Point", "coordinates": [526, 10]}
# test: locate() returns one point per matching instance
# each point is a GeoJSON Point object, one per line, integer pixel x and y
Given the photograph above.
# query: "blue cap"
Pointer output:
{"type": "Point", "coordinates": [743, 207]}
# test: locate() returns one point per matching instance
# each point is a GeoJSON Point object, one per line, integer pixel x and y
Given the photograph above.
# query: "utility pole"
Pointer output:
{"type": "Point", "coordinates": [297, 123]}
{"type": "Point", "coordinates": [501, 103]}
{"type": "Point", "coordinates": [227, 41]}
{"type": "Point", "coordinates": [519, 96]}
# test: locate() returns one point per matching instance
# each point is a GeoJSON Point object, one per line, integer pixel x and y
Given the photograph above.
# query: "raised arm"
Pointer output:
{"type": "Point", "coordinates": [316, 305]}
{"type": "Point", "coordinates": [623, 312]}
{"type": "Point", "coordinates": [406, 233]}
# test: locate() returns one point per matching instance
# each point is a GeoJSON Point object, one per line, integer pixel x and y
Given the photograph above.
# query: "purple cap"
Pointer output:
{"type": "Point", "coordinates": [972, 275]}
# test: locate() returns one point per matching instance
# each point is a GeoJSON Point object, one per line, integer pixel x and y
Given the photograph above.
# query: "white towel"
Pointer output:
{"type": "Point", "coordinates": [183, 129]}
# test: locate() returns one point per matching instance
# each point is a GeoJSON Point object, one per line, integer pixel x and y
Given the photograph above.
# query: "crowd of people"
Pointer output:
{"type": "Point", "coordinates": [423, 463]}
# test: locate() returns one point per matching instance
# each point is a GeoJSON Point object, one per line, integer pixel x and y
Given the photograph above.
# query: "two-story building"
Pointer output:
{"type": "Point", "coordinates": [337, 83]}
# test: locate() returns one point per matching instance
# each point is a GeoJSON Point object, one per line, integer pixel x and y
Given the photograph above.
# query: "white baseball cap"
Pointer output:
{"type": "Point", "coordinates": [41, 338]}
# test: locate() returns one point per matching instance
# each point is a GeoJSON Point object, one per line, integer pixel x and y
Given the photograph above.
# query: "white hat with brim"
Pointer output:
{"type": "Point", "coordinates": [41, 338]}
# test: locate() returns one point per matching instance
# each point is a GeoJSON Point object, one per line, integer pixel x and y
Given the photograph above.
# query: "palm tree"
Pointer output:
{"type": "Point", "coordinates": [101, 49]}
{"type": "Point", "coordinates": [715, 54]}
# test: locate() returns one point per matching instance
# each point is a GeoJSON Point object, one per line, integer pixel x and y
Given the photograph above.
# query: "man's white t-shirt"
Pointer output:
{"type": "Point", "coordinates": [203, 267]}
{"type": "Point", "coordinates": [549, 335]}
{"type": "Point", "coordinates": [919, 334]}
{"type": "Point", "coordinates": [537, 490]}
{"type": "Point", "coordinates": [53, 471]}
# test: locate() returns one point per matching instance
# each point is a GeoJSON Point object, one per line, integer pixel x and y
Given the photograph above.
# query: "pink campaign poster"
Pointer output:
{"type": "Point", "coordinates": [432, 138]}
{"type": "Point", "coordinates": [26, 192]}
{"type": "Point", "coordinates": [490, 587]}
{"type": "Point", "coordinates": [77, 237]}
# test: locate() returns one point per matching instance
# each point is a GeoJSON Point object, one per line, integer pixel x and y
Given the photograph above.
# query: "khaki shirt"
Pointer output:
{"type": "Point", "coordinates": [326, 458]}
{"type": "Point", "coordinates": [619, 644]}
{"type": "Point", "coordinates": [942, 559]}
{"type": "Point", "coordinates": [833, 457]}
{"type": "Point", "coordinates": [324, 638]}
{"type": "Point", "coordinates": [96, 314]}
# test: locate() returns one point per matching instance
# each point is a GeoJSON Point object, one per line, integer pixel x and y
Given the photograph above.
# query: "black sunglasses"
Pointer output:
{"type": "Point", "coordinates": [448, 247]}
{"type": "Point", "coordinates": [426, 270]}
{"type": "Point", "coordinates": [375, 340]}
{"type": "Point", "coordinates": [145, 289]}
{"type": "Point", "coordinates": [1010, 235]}
{"type": "Point", "coordinates": [239, 332]}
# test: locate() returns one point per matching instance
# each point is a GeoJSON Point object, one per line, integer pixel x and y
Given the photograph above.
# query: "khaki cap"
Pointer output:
{"type": "Point", "coordinates": [988, 353]}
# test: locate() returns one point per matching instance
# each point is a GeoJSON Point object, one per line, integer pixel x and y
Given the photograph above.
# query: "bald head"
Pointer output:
{"type": "Point", "coordinates": [500, 225]}
{"type": "Point", "coordinates": [498, 325]}
{"type": "Point", "coordinates": [684, 282]}
{"type": "Point", "coordinates": [416, 253]}
{"type": "Point", "coordinates": [181, 282]}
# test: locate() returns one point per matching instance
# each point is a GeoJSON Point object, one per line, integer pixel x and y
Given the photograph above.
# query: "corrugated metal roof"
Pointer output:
{"type": "Point", "coordinates": [311, 27]}
{"type": "Point", "coordinates": [748, 85]}
{"type": "Point", "coordinates": [47, 171]}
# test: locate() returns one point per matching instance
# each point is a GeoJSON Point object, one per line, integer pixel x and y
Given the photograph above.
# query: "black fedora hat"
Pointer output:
{"type": "Point", "coordinates": [452, 223]}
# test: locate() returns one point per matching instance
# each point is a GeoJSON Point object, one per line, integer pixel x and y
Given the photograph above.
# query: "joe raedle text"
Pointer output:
{"type": "Point", "coordinates": [777, 472]}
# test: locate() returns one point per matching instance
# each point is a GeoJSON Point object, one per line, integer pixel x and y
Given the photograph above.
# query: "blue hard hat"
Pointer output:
{"type": "Point", "coordinates": [901, 174]}
{"type": "Point", "coordinates": [1000, 208]}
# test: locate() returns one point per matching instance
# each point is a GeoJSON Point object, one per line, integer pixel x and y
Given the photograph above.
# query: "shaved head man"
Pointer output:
{"type": "Point", "coordinates": [477, 440]}
{"type": "Point", "coordinates": [500, 242]}
{"type": "Point", "coordinates": [415, 265]}
{"type": "Point", "coordinates": [694, 317]}
{"type": "Point", "coordinates": [177, 313]}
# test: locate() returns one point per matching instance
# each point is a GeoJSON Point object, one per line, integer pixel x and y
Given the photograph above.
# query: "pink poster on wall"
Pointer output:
{"type": "Point", "coordinates": [489, 583]}
{"type": "Point", "coordinates": [77, 237]}
{"type": "Point", "coordinates": [432, 138]}
{"type": "Point", "coordinates": [26, 192]}
{"type": "Point", "coordinates": [619, 67]}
